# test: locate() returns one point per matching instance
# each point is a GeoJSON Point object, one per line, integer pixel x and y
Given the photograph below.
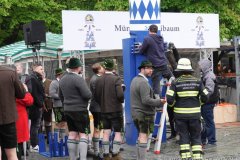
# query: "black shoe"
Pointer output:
{"type": "Point", "coordinates": [26, 153]}
{"type": "Point", "coordinates": [116, 156]}
{"type": "Point", "coordinates": [204, 143]}
{"type": "Point", "coordinates": [209, 146]}
{"type": "Point", "coordinates": [171, 137]}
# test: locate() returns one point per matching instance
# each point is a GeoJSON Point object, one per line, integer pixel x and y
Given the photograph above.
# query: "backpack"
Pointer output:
{"type": "Point", "coordinates": [214, 98]}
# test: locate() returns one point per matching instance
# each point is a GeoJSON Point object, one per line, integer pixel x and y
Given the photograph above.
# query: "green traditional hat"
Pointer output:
{"type": "Point", "coordinates": [58, 71]}
{"type": "Point", "coordinates": [108, 64]}
{"type": "Point", "coordinates": [74, 63]}
{"type": "Point", "coordinates": [145, 64]}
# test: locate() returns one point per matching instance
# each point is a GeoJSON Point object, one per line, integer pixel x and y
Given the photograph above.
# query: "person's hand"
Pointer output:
{"type": "Point", "coordinates": [25, 87]}
{"type": "Point", "coordinates": [123, 87]}
{"type": "Point", "coordinates": [45, 108]}
{"type": "Point", "coordinates": [136, 47]}
{"type": "Point", "coordinates": [163, 101]}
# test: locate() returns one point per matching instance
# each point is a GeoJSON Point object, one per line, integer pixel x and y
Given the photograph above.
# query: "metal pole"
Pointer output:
{"type": "Point", "coordinates": [38, 56]}
{"type": "Point", "coordinates": [237, 61]}
{"type": "Point", "coordinates": [83, 61]}
{"type": "Point", "coordinates": [59, 54]}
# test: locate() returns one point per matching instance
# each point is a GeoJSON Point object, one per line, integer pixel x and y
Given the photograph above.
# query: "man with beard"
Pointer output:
{"type": "Point", "coordinates": [35, 112]}
{"type": "Point", "coordinates": [143, 106]}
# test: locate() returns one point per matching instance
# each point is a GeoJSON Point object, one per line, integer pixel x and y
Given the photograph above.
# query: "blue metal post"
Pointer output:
{"type": "Point", "coordinates": [41, 143]}
{"type": "Point", "coordinates": [143, 13]}
{"type": "Point", "coordinates": [65, 146]}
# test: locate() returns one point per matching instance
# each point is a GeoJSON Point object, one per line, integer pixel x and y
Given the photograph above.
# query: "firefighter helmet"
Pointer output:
{"type": "Point", "coordinates": [184, 64]}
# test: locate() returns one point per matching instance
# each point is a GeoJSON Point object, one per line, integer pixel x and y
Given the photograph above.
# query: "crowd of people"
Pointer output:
{"type": "Point", "coordinates": [69, 97]}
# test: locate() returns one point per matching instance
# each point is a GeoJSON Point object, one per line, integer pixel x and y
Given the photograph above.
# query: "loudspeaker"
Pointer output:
{"type": "Point", "coordinates": [26, 31]}
{"type": "Point", "coordinates": [34, 32]}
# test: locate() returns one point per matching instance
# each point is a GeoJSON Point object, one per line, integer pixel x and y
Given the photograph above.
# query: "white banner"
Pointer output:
{"type": "Point", "coordinates": [93, 30]}
{"type": "Point", "coordinates": [191, 30]}
{"type": "Point", "coordinates": [104, 30]}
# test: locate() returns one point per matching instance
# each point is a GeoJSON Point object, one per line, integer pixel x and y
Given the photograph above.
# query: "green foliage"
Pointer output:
{"type": "Point", "coordinates": [15, 13]}
{"type": "Point", "coordinates": [112, 5]}
{"type": "Point", "coordinates": [19, 12]}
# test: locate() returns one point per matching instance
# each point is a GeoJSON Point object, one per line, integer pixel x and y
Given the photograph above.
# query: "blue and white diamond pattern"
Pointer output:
{"type": "Point", "coordinates": [144, 11]}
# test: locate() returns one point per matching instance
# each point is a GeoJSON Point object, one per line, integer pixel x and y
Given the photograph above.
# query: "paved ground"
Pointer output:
{"type": "Point", "coordinates": [228, 147]}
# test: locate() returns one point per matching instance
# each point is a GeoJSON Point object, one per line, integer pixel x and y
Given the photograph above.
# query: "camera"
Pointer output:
{"type": "Point", "coordinates": [171, 45]}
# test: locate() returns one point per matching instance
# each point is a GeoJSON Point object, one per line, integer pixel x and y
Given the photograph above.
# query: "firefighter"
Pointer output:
{"type": "Point", "coordinates": [186, 94]}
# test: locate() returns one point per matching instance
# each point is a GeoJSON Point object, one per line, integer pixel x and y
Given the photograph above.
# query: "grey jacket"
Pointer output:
{"type": "Point", "coordinates": [94, 106]}
{"type": "Point", "coordinates": [74, 92]}
{"type": "Point", "coordinates": [142, 97]}
{"type": "Point", "coordinates": [208, 76]}
{"type": "Point", "coordinates": [54, 93]}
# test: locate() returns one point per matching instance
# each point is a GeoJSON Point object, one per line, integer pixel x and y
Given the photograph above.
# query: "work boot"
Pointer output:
{"type": "Point", "coordinates": [107, 157]}
{"type": "Point", "coordinates": [171, 137]}
{"type": "Point", "coordinates": [209, 146]}
{"type": "Point", "coordinates": [116, 157]}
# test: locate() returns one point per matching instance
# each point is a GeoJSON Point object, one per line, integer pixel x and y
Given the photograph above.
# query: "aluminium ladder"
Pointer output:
{"type": "Point", "coordinates": [159, 124]}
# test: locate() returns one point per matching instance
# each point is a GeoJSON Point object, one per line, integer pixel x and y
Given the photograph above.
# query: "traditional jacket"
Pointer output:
{"type": "Point", "coordinates": [109, 93]}
{"type": "Point", "coordinates": [10, 89]}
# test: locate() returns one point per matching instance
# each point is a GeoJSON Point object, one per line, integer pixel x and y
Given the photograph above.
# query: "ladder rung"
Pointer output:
{"type": "Point", "coordinates": [152, 138]}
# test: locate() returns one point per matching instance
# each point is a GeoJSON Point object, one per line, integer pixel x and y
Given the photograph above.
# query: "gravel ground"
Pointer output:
{"type": "Point", "coordinates": [228, 148]}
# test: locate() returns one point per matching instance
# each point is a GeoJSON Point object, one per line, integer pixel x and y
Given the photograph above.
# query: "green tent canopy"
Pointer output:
{"type": "Point", "coordinates": [2, 58]}
{"type": "Point", "coordinates": [19, 50]}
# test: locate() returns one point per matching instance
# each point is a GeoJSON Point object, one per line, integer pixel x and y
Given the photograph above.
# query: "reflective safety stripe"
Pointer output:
{"type": "Point", "coordinates": [197, 156]}
{"type": "Point", "coordinates": [171, 105]}
{"type": "Point", "coordinates": [185, 147]}
{"type": "Point", "coordinates": [186, 155]}
{"type": "Point", "coordinates": [170, 92]}
{"type": "Point", "coordinates": [187, 110]}
{"type": "Point", "coordinates": [205, 91]}
{"type": "Point", "coordinates": [197, 148]}
{"type": "Point", "coordinates": [188, 93]}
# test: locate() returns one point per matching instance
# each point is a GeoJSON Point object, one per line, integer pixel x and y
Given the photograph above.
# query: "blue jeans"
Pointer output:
{"type": "Point", "coordinates": [36, 117]}
{"type": "Point", "coordinates": [157, 74]}
{"type": "Point", "coordinates": [209, 135]}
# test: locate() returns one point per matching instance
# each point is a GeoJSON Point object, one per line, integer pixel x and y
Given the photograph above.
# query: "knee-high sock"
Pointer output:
{"type": "Point", "coordinates": [116, 147]}
{"type": "Point", "coordinates": [83, 147]}
{"type": "Point", "coordinates": [142, 150]}
{"type": "Point", "coordinates": [57, 130]}
{"type": "Point", "coordinates": [73, 148]}
{"type": "Point", "coordinates": [48, 130]}
{"type": "Point", "coordinates": [95, 145]}
{"type": "Point", "coordinates": [105, 145]}
{"type": "Point", "coordinates": [138, 156]}
{"type": "Point", "coordinates": [62, 133]}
